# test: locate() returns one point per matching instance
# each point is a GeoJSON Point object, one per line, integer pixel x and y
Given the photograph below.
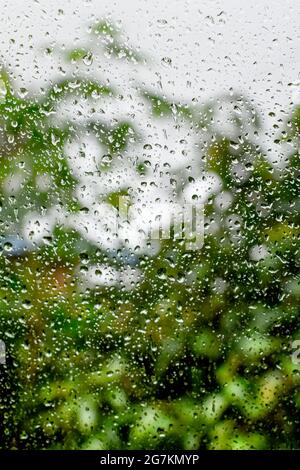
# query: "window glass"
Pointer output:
{"type": "Point", "coordinates": [149, 225]}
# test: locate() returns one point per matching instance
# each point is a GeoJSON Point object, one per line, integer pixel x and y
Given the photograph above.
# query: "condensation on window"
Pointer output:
{"type": "Point", "coordinates": [149, 225]}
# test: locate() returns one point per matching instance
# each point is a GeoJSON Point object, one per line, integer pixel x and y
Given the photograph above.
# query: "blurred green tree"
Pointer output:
{"type": "Point", "coordinates": [198, 354]}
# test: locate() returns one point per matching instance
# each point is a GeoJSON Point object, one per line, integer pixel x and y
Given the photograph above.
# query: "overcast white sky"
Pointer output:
{"type": "Point", "coordinates": [249, 45]}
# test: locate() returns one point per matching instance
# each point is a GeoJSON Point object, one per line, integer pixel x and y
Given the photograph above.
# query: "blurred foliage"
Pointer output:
{"type": "Point", "coordinates": [198, 354]}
